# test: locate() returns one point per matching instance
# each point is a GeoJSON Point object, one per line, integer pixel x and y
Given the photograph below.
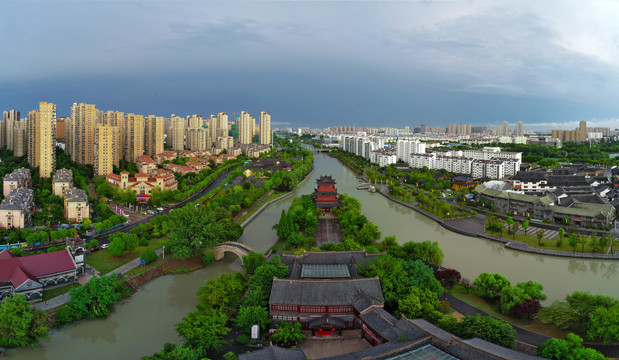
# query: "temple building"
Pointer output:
{"type": "Point", "coordinates": [325, 195]}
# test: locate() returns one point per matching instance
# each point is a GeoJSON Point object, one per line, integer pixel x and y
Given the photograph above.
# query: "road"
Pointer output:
{"type": "Point", "coordinates": [104, 237]}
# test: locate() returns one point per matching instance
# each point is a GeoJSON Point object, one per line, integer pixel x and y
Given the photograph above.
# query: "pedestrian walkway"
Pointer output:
{"type": "Point", "coordinates": [65, 298]}
{"type": "Point", "coordinates": [532, 230]}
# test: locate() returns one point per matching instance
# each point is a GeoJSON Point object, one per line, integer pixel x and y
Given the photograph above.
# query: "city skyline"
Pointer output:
{"type": "Point", "coordinates": [358, 63]}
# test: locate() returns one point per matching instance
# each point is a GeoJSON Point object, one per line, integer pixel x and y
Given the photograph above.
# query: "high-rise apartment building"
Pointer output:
{"type": "Point", "coordinates": [19, 138]}
{"type": "Point", "coordinates": [194, 121]}
{"type": "Point", "coordinates": [504, 128]}
{"type": "Point", "coordinates": [265, 127]}
{"type": "Point", "coordinates": [582, 131]}
{"type": "Point", "coordinates": [198, 138]}
{"type": "Point", "coordinates": [176, 137]}
{"type": "Point", "coordinates": [246, 128]}
{"type": "Point", "coordinates": [81, 133]}
{"type": "Point", "coordinates": [116, 119]}
{"type": "Point", "coordinates": [10, 119]}
{"type": "Point", "coordinates": [42, 124]}
{"type": "Point", "coordinates": [222, 124]}
{"type": "Point", "coordinates": [60, 129]}
{"type": "Point", "coordinates": [520, 128]}
{"type": "Point", "coordinates": [154, 131]}
{"type": "Point", "coordinates": [105, 147]}
{"type": "Point", "coordinates": [134, 137]}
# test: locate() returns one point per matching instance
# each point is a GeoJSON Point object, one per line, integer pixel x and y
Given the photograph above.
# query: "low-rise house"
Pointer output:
{"type": "Point", "coordinates": [165, 156]}
{"type": "Point", "coordinates": [197, 165]}
{"type": "Point", "coordinates": [145, 164]}
{"type": "Point", "coordinates": [19, 178]}
{"type": "Point", "coordinates": [180, 169]}
{"type": "Point", "coordinates": [16, 209]}
{"type": "Point", "coordinates": [76, 206]}
{"type": "Point", "coordinates": [463, 181]}
{"type": "Point", "coordinates": [63, 179]}
{"type": "Point", "coordinates": [141, 183]}
{"type": "Point", "coordinates": [30, 275]}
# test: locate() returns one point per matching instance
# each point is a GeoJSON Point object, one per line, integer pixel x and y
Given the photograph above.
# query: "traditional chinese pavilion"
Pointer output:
{"type": "Point", "coordinates": [325, 196]}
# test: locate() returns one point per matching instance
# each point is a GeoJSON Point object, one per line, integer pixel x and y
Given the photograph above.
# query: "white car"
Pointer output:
{"type": "Point", "coordinates": [104, 246]}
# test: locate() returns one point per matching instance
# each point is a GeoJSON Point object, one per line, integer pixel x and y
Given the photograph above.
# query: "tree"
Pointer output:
{"type": "Point", "coordinates": [288, 333]}
{"type": "Point", "coordinates": [204, 329]}
{"type": "Point", "coordinates": [526, 309]}
{"type": "Point", "coordinates": [604, 324]}
{"type": "Point", "coordinates": [194, 230]}
{"type": "Point", "coordinates": [421, 275]}
{"type": "Point", "coordinates": [570, 348]}
{"type": "Point", "coordinates": [263, 276]}
{"type": "Point", "coordinates": [561, 233]}
{"type": "Point", "coordinates": [94, 243]}
{"type": "Point", "coordinates": [572, 241]}
{"type": "Point", "coordinates": [176, 352]}
{"type": "Point", "coordinates": [448, 277]}
{"type": "Point", "coordinates": [525, 226]}
{"type": "Point", "coordinates": [252, 315]}
{"type": "Point", "coordinates": [252, 261]}
{"type": "Point", "coordinates": [117, 246]}
{"type": "Point", "coordinates": [13, 237]}
{"type": "Point", "coordinates": [487, 328]}
{"type": "Point", "coordinates": [533, 289]}
{"type": "Point", "coordinates": [131, 242]}
{"type": "Point", "coordinates": [420, 303]}
{"type": "Point", "coordinates": [489, 285]}
{"type": "Point", "coordinates": [20, 323]}
{"type": "Point", "coordinates": [511, 296]}
{"type": "Point", "coordinates": [581, 240]}
{"type": "Point", "coordinates": [222, 294]}
{"type": "Point", "coordinates": [96, 299]}
{"type": "Point", "coordinates": [574, 312]}
{"type": "Point", "coordinates": [540, 235]}
{"type": "Point", "coordinates": [86, 223]}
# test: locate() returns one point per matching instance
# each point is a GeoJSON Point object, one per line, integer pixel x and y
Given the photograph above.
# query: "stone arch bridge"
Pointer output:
{"type": "Point", "coordinates": [239, 249]}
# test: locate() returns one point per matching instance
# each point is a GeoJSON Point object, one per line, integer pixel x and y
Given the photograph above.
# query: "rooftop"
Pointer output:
{"type": "Point", "coordinates": [75, 195]}
{"type": "Point", "coordinates": [324, 271]}
{"type": "Point", "coordinates": [63, 175]}
{"type": "Point", "coordinates": [17, 174]}
{"type": "Point", "coordinates": [18, 199]}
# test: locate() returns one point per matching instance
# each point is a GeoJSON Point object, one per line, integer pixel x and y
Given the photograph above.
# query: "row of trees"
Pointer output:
{"type": "Point", "coordinates": [298, 225]}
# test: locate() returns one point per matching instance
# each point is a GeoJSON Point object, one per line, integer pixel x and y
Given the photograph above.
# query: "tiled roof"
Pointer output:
{"type": "Point", "coordinates": [141, 175]}
{"type": "Point", "coordinates": [324, 292]}
{"type": "Point", "coordinates": [145, 159]}
{"type": "Point", "coordinates": [34, 265]}
{"type": "Point", "coordinates": [63, 175]}
{"type": "Point", "coordinates": [17, 174]}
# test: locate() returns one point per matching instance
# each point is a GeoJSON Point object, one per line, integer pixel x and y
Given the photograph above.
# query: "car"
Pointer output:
{"type": "Point", "coordinates": [95, 249]}
{"type": "Point", "coordinates": [104, 246]}
{"type": "Point", "coordinates": [160, 209]}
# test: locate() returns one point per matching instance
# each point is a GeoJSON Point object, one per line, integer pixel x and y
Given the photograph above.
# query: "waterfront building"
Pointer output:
{"type": "Point", "coordinates": [30, 275]}
{"type": "Point", "coordinates": [325, 195]}
{"type": "Point", "coordinates": [63, 179]}
{"type": "Point", "coordinates": [19, 178]}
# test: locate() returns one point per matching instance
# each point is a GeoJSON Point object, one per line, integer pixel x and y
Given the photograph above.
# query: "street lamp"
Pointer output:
{"type": "Point", "coordinates": [163, 251]}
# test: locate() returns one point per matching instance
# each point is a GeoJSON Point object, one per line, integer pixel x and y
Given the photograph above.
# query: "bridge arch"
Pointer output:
{"type": "Point", "coordinates": [237, 248]}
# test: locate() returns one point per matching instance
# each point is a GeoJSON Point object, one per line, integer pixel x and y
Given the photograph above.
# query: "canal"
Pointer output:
{"type": "Point", "coordinates": [141, 324]}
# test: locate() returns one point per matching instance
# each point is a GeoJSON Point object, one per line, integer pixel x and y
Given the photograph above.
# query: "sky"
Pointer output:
{"type": "Point", "coordinates": [549, 64]}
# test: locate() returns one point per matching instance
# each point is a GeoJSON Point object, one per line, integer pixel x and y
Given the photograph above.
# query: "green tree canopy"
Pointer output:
{"type": "Point", "coordinates": [489, 285]}
{"type": "Point", "coordinates": [252, 315]}
{"type": "Point", "coordinates": [20, 323]}
{"type": "Point", "coordinates": [96, 299]}
{"type": "Point", "coordinates": [204, 330]}
{"type": "Point", "coordinates": [487, 328]}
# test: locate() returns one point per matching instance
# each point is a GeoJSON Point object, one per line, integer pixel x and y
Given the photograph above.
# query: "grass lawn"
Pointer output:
{"type": "Point", "coordinates": [531, 240]}
{"type": "Point", "coordinates": [273, 194]}
{"type": "Point", "coordinates": [533, 325]}
{"type": "Point", "coordinates": [52, 293]}
{"type": "Point", "coordinates": [105, 263]}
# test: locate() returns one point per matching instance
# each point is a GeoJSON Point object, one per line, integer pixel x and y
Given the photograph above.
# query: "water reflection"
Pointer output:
{"type": "Point", "coordinates": [77, 332]}
{"type": "Point", "coordinates": [609, 270]}
{"type": "Point", "coordinates": [575, 266]}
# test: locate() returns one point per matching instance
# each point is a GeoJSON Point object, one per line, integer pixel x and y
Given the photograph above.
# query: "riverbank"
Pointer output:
{"type": "Point", "coordinates": [469, 228]}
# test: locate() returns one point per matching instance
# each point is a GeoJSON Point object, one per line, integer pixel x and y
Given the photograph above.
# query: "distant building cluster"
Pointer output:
{"type": "Point", "coordinates": [76, 206]}
{"type": "Point", "coordinates": [103, 139]}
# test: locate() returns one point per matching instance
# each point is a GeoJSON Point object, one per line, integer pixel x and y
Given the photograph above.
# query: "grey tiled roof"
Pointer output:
{"type": "Point", "coordinates": [75, 195]}
{"type": "Point", "coordinates": [18, 199]}
{"type": "Point", "coordinates": [63, 175]}
{"type": "Point", "coordinates": [17, 174]}
{"type": "Point", "coordinates": [273, 353]}
{"type": "Point", "coordinates": [324, 292]}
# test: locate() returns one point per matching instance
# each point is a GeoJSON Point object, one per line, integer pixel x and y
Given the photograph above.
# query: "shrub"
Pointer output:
{"type": "Point", "coordinates": [142, 241]}
{"type": "Point", "coordinates": [208, 258]}
{"type": "Point", "coordinates": [242, 339]}
{"type": "Point", "coordinates": [230, 355]}
{"type": "Point", "coordinates": [149, 255]}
